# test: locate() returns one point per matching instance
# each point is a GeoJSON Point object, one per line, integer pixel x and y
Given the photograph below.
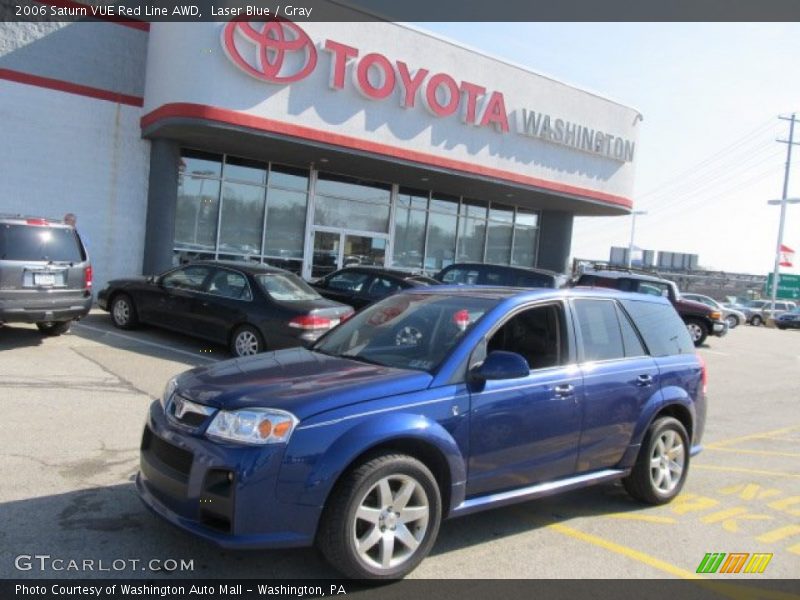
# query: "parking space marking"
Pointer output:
{"type": "Point", "coordinates": [645, 518]}
{"type": "Point", "coordinates": [759, 452]}
{"type": "Point", "coordinates": [743, 470]}
{"type": "Point", "coordinates": [753, 436]}
{"type": "Point", "coordinates": [626, 551]}
{"type": "Point", "coordinates": [145, 342]}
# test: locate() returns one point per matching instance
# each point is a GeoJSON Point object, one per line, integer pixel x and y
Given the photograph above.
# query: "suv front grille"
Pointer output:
{"type": "Point", "coordinates": [190, 415]}
{"type": "Point", "coordinates": [177, 459]}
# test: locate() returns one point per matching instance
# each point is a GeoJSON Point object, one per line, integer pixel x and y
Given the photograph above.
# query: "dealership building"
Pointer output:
{"type": "Point", "coordinates": [307, 145]}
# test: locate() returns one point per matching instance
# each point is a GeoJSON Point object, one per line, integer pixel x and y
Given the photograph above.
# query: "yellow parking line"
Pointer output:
{"type": "Point", "coordinates": [752, 436]}
{"type": "Point", "coordinates": [759, 452]}
{"type": "Point", "coordinates": [750, 471]}
{"type": "Point", "coordinates": [636, 555]}
{"type": "Point", "coordinates": [645, 518]}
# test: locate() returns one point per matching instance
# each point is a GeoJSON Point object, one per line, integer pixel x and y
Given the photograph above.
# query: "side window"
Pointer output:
{"type": "Point", "coordinates": [230, 284]}
{"type": "Point", "coordinates": [537, 334]}
{"type": "Point", "coordinates": [663, 331]}
{"type": "Point", "coordinates": [492, 277]}
{"type": "Point", "coordinates": [462, 276]}
{"type": "Point", "coordinates": [382, 287]}
{"type": "Point", "coordinates": [599, 330]}
{"type": "Point", "coordinates": [630, 339]}
{"type": "Point", "coordinates": [348, 281]}
{"type": "Point", "coordinates": [188, 278]}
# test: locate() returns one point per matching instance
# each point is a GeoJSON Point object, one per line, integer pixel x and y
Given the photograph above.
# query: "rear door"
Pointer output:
{"type": "Point", "coordinates": [619, 379]}
{"type": "Point", "coordinates": [523, 431]}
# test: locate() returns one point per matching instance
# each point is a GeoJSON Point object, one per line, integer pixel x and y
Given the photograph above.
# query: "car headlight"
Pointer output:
{"type": "Point", "coordinates": [257, 426]}
{"type": "Point", "coordinates": [169, 389]}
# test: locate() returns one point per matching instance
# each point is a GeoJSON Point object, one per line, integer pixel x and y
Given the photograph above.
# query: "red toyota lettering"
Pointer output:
{"type": "Point", "coordinates": [340, 54]}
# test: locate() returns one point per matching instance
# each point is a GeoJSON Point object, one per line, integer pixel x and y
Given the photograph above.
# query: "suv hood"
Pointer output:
{"type": "Point", "coordinates": [302, 382]}
{"type": "Point", "coordinates": [690, 306]}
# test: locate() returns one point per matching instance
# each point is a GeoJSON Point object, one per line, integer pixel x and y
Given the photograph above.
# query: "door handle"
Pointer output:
{"type": "Point", "coordinates": [644, 379]}
{"type": "Point", "coordinates": [562, 391]}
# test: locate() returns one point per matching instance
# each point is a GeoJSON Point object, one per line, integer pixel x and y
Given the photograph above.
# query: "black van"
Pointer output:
{"type": "Point", "coordinates": [45, 274]}
{"type": "Point", "coordinates": [502, 275]}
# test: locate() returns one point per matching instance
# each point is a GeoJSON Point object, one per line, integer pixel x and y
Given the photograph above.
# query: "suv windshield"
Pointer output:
{"type": "Point", "coordinates": [34, 242]}
{"type": "Point", "coordinates": [286, 287]}
{"type": "Point", "coordinates": [407, 331]}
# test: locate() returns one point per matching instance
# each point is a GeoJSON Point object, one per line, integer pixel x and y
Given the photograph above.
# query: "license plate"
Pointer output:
{"type": "Point", "coordinates": [44, 279]}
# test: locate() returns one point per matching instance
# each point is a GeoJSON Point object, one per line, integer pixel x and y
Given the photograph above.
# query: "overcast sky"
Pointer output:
{"type": "Point", "coordinates": [707, 159]}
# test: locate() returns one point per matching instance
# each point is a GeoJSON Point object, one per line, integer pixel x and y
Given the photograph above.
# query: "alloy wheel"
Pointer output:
{"type": "Point", "coordinates": [122, 311]}
{"type": "Point", "coordinates": [246, 343]}
{"type": "Point", "coordinates": [667, 461]}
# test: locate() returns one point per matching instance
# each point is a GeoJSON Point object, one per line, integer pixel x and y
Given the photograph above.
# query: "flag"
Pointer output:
{"type": "Point", "coordinates": [787, 254]}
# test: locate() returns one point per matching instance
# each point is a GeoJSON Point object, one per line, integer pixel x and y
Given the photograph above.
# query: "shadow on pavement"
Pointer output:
{"type": "Point", "coordinates": [19, 336]}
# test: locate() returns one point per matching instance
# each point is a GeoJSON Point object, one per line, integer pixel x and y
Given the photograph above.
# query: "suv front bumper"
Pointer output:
{"type": "Point", "coordinates": [719, 328]}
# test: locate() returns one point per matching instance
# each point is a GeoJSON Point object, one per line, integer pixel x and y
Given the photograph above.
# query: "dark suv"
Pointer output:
{"type": "Point", "coordinates": [45, 274]}
{"type": "Point", "coordinates": [701, 320]}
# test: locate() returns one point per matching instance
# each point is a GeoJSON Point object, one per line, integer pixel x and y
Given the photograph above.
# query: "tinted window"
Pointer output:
{"type": "Point", "coordinates": [662, 329]}
{"type": "Point", "coordinates": [534, 280]}
{"type": "Point", "coordinates": [381, 287]}
{"type": "Point", "coordinates": [28, 242]}
{"type": "Point", "coordinates": [463, 276]}
{"type": "Point", "coordinates": [599, 330]}
{"type": "Point", "coordinates": [606, 282]}
{"type": "Point", "coordinates": [230, 284]}
{"type": "Point", "coordinates": [188, 278]}
{"type": "Point", "coordinates": [630, 339]}
{"type": "Point", "coordinates": [347, 281]}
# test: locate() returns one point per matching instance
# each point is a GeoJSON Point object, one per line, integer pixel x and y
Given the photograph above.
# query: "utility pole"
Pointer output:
{"type": "Point", "coordinates": [633, 231]}
{"type": "Point", "coordinates": [777, 270]}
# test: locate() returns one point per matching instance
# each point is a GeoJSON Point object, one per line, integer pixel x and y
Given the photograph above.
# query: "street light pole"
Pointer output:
{"type": "Point", "coordinates": [784, 201]}
{"type": "Point", "coordinates": [633, 232]}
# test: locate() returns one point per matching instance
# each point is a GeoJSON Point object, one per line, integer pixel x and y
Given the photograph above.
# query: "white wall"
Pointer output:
{"type": "Point", "coordinates": [64, 153]}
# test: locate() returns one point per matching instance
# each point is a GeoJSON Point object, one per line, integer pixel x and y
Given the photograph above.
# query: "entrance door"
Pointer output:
{"type": "Point", "coordinates": [336, 249]}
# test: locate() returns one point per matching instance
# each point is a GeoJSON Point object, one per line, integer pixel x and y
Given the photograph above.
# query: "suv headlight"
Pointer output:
{"type": "Point", "coordinates": [169, 389]}
{"type": "Point", "coordinates": [256, 426]}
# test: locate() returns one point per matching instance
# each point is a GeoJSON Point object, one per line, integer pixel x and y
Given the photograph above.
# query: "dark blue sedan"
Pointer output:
{"type": "Point", "coordinates": [430, 404]}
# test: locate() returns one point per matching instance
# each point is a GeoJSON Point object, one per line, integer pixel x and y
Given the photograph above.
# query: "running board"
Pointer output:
{"type": "Point", "coordinates": [536, 491]}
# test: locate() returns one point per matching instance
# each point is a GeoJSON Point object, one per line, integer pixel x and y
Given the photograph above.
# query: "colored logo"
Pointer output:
{"type": "Point", "coordinates": [736, 562]}
{"type": "Point", "coordinates": [273, 50]}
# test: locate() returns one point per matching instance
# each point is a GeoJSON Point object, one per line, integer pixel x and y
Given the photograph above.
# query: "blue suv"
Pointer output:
{"type": "Point", "coordinates": [433, 403]}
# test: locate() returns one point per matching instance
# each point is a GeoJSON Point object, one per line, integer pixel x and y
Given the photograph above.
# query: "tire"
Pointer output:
{"type": "Point", "coordinates": [123, 312]}
{"type": "Point", "coordinates": [698, 331]}
{"type": "Point", "coordinates": [246, 340]}
{"type": "Point", "coordinates": [732, 321]}
{"type": "Point", "coordinates": [54, 329]}
{"type": "Point", "coordinates": [756, 320]}
{"type": "Point", "coordinates": [364, 508]}
{"type": "Point", "coordinates": [649, 481]}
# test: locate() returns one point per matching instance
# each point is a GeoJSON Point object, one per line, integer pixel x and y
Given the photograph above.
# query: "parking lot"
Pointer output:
{"type": "Point", "coordinates": [73, 409]}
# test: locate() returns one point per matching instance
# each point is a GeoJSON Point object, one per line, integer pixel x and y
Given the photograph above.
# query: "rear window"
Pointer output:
{"type": "Point", "coordinates": [534, 280]}
{"type": "Point", "coordinates": [286, 287]}
{"type": "Point", "coordinates": [662, 329]}
{"type": "Point", "coordinates": [31, 242]}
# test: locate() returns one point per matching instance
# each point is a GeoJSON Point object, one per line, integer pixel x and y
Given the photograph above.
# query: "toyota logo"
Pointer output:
{"type": "Point", "coordinates": [273, 50]}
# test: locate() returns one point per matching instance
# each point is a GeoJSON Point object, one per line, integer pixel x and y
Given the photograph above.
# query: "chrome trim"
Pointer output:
{"type": "Point", "coordinates": [182, 406]}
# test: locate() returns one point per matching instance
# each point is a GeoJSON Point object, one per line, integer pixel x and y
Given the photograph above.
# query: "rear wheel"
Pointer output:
{"type": "Point", "coordinates": [123, 312]}
{"type": "Point", "coordinates": [697, 330]}
{"type": "Point", "coordinates": [732, 321]}
{"type": "Point", "coordinates": [382, 519]}
{"type": "Point", "coordinates": [246, 341]}
{"type": "Point", "coordinates": [663, 462]}
{"type": "Point", "coordinates": [757, 320]}
{"type": "Point", "coordinates": [54, 329]}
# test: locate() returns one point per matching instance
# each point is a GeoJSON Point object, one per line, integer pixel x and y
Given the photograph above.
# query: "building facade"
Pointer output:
{"type": "Point", "coordinates": [308, 145]}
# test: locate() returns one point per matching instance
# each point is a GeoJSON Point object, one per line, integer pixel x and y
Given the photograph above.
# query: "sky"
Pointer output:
{"type": "Point", "coordinates": [707, 155]}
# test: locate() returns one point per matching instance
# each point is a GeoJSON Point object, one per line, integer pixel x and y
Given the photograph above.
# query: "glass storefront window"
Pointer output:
{"type": "Point", "coordinates": [527, 218]}
{"type": "Point", "coordinates": [409, 238]}
{"type": "Point", "coordinates": [203, 164]}
{"type": "Point", "coordinates": [286, 223]}
{"type": "Point", "coordinates": [242, 169]}
{"type": "Point", "coordinates": [289, 178]}
{"type": "Point", "coordinates": [498, 247]}
{"type": "Point", "coordinates": [242, 218]}
{"type": "Point", "coordinates": [408, 198]}
{"type": "Point", "coordinates": [353, 189]}
{"type": "Point", "coordinates": [471, 234]}
{"type": "Point", "coordinates": [498, 212]}
{"type": "Point", "coordinates": [444, 203]}
{"type": "Point", "coordinates": [441, 241]}
{"type": "Point", "coordinates": [196, 214]}
{"type": "Point", "coordinates": [350, 214]}
{"type": "Point", "coordinates": [524, 246]}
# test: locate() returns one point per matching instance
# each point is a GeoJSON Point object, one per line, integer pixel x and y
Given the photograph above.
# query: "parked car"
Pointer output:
{"type": "Point", "coordinates": [759, 311]}
{"type": "Point", "coordinates": [488, 274]}
{"type": "Point", "coordinates": [360, 286]}
{"type": "Point", "coordinates": [432, 403]}
{"type": "Point", "coordinates": [789, 319]}
{"type": "Point", "coordinates": [732, 316]}
{"type": "Point", "coordinates": [248, 306]}
{"type": "Point", "coordinates": [701, 320]}
{"type": "Point", "coordinates": [45, 273]}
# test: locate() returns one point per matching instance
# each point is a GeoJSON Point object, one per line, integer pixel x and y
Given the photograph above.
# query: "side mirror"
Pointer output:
{"type": "Point", "coordinates": [152, 279]}
{"type": "Point", "coordinates": [502, 365]}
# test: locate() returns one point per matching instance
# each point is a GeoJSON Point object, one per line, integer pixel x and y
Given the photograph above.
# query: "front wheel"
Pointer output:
{"type": "Point", "coordinates": [757, 320]}
{"type": "Point", "coordinates": [732, 321]}
{"type": "Point", "coordinates": [697, 330]}
{"type": "Point", "coordinates": [382, 519]}
{"type": "Point", "coordinates": [123, 312]}
{"type": "Point", "coordinates": [53, 329]}
{"type": "Point", "coordinates": [663, 462]}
